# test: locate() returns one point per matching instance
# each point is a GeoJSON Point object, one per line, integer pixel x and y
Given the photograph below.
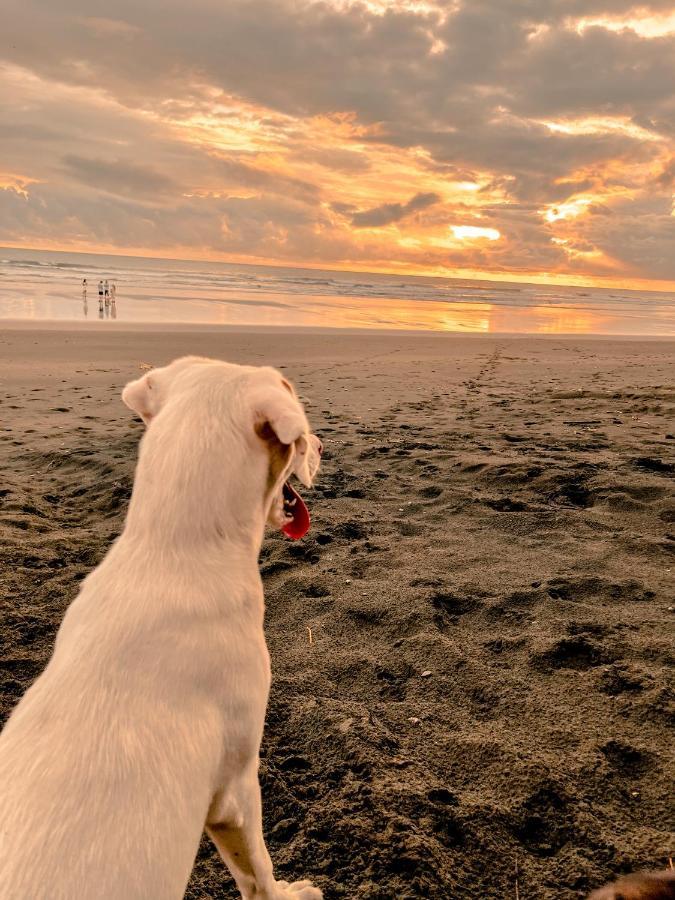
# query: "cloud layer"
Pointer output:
{"type": "Point", "coordinates": [389, 135]}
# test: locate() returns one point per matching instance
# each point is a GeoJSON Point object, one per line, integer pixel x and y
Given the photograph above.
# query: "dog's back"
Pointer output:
{"type": "Point", "coordinates": [91, 763]}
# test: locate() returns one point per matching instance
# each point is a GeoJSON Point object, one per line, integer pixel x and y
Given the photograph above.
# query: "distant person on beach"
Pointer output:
{"type": "Point", "coordinates": [113, 291]}
{"type": "Point", "coordinates": [84, 287]}
{"type": "Point", "coordinates": [100, 290]}
{"type": "Point", "coordinates": [106, 288]}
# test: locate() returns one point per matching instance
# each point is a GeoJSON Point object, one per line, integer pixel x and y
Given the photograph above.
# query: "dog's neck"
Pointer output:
{"type": "Point", "coordinates": [196, 499]}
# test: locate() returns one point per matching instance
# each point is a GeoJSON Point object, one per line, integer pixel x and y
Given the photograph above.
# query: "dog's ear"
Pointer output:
{"type": "Point", "coordinates": [281, 411]}
{"type": "Point", "coordinates": [140, 396]}
{"type": "Point", "coordinates": [281, 419]}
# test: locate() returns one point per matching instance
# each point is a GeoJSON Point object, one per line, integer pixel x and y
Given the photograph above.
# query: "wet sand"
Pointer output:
{"type": "Point", "coordinates": [470, 649]}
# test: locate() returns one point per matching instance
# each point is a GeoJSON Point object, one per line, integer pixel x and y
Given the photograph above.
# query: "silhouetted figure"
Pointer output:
{"type": "Point", "coordinates": [100, 290]}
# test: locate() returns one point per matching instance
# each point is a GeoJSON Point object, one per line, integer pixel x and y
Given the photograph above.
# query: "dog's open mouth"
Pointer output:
{"type": "Point", "coordinates": [296, 514]}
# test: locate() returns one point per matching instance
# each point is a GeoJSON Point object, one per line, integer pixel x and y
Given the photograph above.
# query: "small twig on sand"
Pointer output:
{"type": "Point", "coordinates": [309, 632]}
{"type": "Point", "coordinates": [517, 891]}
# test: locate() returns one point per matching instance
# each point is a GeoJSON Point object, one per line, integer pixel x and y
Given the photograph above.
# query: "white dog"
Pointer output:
{"type": "Point", "coordinates": [145, 726]}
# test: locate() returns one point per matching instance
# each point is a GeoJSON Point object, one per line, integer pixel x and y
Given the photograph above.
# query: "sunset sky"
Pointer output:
{"type": "Point", "coordinates": [529, 139]}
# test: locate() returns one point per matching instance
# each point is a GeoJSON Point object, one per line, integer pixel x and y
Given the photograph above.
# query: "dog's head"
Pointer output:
{"type": "Point", "coordinates": [264, 412]}
{"type": "Point", "coordinates": [147, 395]}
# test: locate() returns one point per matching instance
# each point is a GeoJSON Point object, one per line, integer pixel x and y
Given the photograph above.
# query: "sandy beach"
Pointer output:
{"type": "Point", "coordinates": [470, 649]}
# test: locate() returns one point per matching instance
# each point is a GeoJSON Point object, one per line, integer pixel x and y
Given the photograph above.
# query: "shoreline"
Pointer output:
{"type": "Point", "coordinates": [101, 327]}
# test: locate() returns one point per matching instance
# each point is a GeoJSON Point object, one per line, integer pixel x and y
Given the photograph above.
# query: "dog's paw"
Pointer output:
{"type": "Point", "coordinates": [298, 890]}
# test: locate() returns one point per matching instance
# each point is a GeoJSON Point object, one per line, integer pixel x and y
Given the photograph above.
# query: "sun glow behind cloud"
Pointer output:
{"type": "Point", "coordinates": [599, 125]}
{"type": "Point", "coordinates": [569, 210]}
{"type": "Point", "coordinates": [473, 232]}
{"type": "Point", "coordinates": [18, 183]}
{"type": "Point", "coordinates": [648, 26]}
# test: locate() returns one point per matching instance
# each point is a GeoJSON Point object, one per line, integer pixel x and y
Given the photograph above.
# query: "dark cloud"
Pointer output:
{"type": "Point", "coordinates": [597, 71]}
{"type": "Point", "coordinates": [393, 212]}
{"type": "Point", "coordinates": [266, 226]}
{"type": "Point", "coordinates": [666, 178]}
{"type": "Point", "coordinates": [639, 233]}
{"type": "Point", "coordinates": [236, 173]}
{"type": "Point", "coordinates": [303, 58]}
{"type": "Point", "coordinates": [119, 177]}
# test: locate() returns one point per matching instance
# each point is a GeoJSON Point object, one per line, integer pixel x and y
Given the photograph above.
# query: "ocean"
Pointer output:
{"type": "Point", "coordinates": [47, 285]}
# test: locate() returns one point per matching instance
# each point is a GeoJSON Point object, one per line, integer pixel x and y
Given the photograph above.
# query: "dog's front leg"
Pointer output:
{"type": "Point", "coordinates": [235, 827]}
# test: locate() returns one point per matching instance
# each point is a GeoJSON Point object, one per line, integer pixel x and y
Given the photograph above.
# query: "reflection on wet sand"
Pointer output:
{"type": "Point", "coordinates": [107, 300]}
{"type": "Point", "coordinates": [341, 312]}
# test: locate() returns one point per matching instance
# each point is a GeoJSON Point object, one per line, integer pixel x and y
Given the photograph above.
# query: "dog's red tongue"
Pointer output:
{"type": "Point", "coordinates": [298, 526]}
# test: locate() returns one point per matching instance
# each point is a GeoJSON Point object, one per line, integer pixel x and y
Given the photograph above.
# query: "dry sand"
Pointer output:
{"type": "Point", "coordinates": [471, 647]}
